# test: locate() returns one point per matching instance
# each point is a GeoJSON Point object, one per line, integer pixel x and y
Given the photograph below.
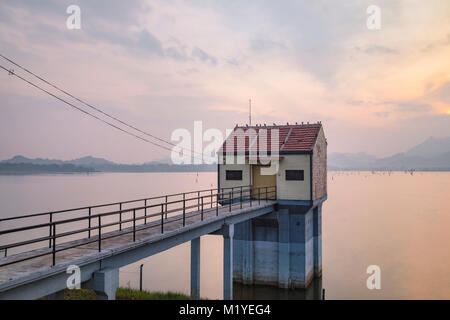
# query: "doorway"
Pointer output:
{"type": "Point", "coordinates": [262, 181]}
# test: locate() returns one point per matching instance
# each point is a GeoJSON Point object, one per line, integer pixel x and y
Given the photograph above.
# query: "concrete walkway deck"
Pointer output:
{"type": "Point", "coordinates": [17, 280]}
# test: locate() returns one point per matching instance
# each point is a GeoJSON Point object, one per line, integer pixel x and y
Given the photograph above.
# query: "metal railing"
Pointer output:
{"type": "Point", "coordinates": [179, 206]}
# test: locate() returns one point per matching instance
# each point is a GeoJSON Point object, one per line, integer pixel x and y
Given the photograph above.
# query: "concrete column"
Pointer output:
{"type": "Point", "coordinates": [317, 233]}
{"type": "Point", "coordinates": [247, 254]}
{"type": "Point", "coordinates": [301, 249]}
{"type": "Point", "coordinates": [105, 283]}
{"type": "Point", "coordinates": [228, 233]}
{"type": "Point", "coordinates": [283, 249]}
{"type": "Point", "coordinates": [195, 269]}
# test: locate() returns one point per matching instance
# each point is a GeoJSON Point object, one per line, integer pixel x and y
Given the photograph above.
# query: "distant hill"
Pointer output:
{"type": "Point", "coordinates": [345, 160]}
{"type": "Point", "coordinates": [431, 147]}
{"type": "Point", "coordinates": [22, 159]}
{"type": "Point", "coordinates": [30, 168]}
{"type": "Point", "coordinates": [90, 161]}
{"type": "Point", "coordinates": [432, 154]}
{"type": "Point", "coordinates": [21, 164]}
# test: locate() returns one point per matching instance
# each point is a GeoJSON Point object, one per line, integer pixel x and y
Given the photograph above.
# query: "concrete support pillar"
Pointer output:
{"type": "Point", "coordinates": [228, 233]}
{"type": "Point", "coordinates": [104, 283]}
{"type": "Point", "coordinates": [301, 249]}
{"type": "Point", "coordinates": [56, 296]}
{"type": "Point", "coordinates": [283, 249]}
{"type": "Point", "coordinates": [317, 233]}
{"type": "Point", "coordinates": [195, 269]}
{"type": "Point", "coordinates": [247, 254]}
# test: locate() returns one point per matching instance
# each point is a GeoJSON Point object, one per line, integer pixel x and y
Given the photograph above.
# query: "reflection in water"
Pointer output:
{"type": "Point", "coordinates": [257, 292]}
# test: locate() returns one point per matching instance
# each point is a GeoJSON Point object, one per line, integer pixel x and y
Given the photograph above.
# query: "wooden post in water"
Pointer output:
{"type": "Point", "coordinates": [140, 277]}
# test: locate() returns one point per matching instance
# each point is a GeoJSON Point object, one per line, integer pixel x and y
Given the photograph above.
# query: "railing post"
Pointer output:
{"type": "Point", "coordinates": [120, 216]}
{"type": "Point", "coordinates": [99, 233]}
{"type": "Point", "coordinates": [250, 195]}
{"type": "Point", "coordinates": [202, 209]}
{"type": "Point", "coordinates": [89, 224]}
{"type": "Point", "coordinates": [217, 204]}
{"type": "Point", "coordinates": [266, 194]}
{"type": "Point", "coordinates": [162, 218]}
{"type": "Point", "coordinates": [145, 211]}
{"type": "Point", "coordinates": [241, 198]}
{"type": "Point", "coordinates": [50, 231]}
{"type": "Point", "coordinates": [259, 195]}
{"type": "Point", "coordinates": [166, 206]}
{"type": "Point", "coordinates": [231, 201]}
{"type": "Point", "coordinates": [211, 198]}
{"type": "Point", "coordinates": [184, 209]}
{"type": "Point", "coordinates": [134, 225]}
{"type": "Point", "coordinates": [198, 201]}
{"type": "Point", "coordinates": [54, 244]}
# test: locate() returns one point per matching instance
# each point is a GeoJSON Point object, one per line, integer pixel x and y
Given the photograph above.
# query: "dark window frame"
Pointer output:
{"type": "Point", "coordinates": [229, 175]}
{"type": "Point", "coordinates": [295, 175]}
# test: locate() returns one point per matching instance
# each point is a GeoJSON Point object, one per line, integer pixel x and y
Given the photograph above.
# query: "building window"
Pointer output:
{"type": "Point", "coordinates": [295, 175]}
{"type": "Point", "coordinates": [234, 174]}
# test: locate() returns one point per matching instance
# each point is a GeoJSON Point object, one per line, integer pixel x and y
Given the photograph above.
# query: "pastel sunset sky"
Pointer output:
{"type": "Point", "coordinates": [161, 65]}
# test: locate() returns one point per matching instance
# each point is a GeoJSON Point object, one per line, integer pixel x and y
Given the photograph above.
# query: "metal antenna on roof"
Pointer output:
{"type": "Point", "coordinates": [250, 111]}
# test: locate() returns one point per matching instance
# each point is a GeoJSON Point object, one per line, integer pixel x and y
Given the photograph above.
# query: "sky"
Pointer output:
{"type": "Point", "coordinates": [161, 65]}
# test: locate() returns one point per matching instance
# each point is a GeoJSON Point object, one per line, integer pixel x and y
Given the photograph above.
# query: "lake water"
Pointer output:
{"type": "Point", "coordinates": [398, 221]}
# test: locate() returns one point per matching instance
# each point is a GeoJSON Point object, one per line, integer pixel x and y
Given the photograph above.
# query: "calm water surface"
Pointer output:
{"type": "Point", "coordinates": [400, 222]}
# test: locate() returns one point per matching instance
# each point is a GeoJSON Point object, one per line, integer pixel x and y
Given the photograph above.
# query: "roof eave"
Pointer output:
{"type": "Point", "coordinates": [266, 153]}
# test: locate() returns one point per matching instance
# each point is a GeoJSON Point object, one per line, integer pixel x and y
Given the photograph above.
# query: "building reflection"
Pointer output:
{"type": "Point", "coordinates": [259, 292]}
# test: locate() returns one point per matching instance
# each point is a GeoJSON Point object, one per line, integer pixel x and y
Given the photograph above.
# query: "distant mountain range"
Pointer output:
{"type": "Point", "coordinates": [431, 155]}
{"type": "Point", "coordinates": [23, 165]}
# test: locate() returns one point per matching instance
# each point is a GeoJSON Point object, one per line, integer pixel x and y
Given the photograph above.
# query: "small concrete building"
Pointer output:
{"type": "Point", "coordinates": [283, 248]}
{"type": "Point", "coordinates": [302, 160]}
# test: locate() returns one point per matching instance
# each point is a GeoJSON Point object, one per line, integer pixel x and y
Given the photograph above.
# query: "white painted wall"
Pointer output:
{"type": "Point", "coordinates": [286, 190]}
{"type": "Point", "coordinates": [234, 183]}
{"type": "Point", "coordinates": [294, 190]}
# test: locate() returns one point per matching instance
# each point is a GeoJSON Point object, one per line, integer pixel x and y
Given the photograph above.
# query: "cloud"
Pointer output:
{"type": "Point", "coordinates": [148, 43]}
{"type": "Point", "coordinates": [376, 49]}
{"type": "Point", "coordinates": [367, 103]}
{"type": "Point", "coordinates": [413, 107]}
{"type": "Point", "coordinates": [176, 53]}
{"type": "Point", "coordinates": [298, 60]}
{"type": "Point", "coordinates": [262, 45]}
{"type": "Point", "coordinates": [437, 44]}
{"type": "Point", "coordinates": [203, 56]}
{"type": "Point", "coordinates": [382, 114]}
{"type": "Point", "coordinates": [392, 107]}
{"type": "Point", "coordinates": [441, 94]}
{"type": "Point", "coordinates": [116, 23]}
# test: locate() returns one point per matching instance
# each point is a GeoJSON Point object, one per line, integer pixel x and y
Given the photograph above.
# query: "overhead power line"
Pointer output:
{"type": "Point", "coordinates": [93, 107]}
{"type": "Point", "coordinates": [82, 110]}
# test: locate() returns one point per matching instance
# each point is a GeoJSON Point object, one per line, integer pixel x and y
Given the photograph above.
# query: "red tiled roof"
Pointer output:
{"type": "Point", "coordinates": [291, 138]}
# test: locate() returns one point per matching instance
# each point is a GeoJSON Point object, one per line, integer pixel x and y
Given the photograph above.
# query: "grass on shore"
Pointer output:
{"type": "Point", "coordinates": [131, 294]}
{"type": "Point", "coordinates": [125, 294]}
